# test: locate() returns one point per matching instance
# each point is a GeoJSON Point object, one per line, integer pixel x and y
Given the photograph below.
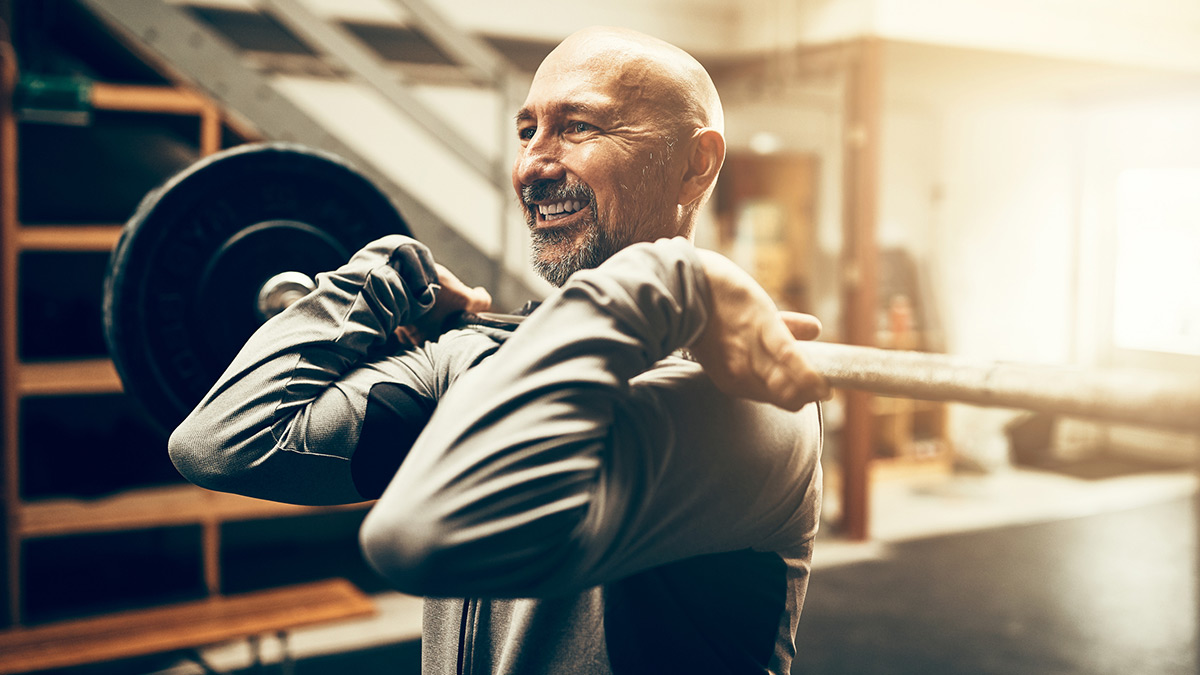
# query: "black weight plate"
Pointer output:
{"type": "Point", "coordinates": [182, 286]}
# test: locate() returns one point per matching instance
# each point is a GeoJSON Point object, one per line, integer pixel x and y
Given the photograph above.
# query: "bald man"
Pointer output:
{"type": "Point", "coordinates": [627, 483]}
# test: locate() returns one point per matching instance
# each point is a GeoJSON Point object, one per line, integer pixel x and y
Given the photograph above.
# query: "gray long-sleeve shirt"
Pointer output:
{"type": "Point", "coordinates": [603, 506]}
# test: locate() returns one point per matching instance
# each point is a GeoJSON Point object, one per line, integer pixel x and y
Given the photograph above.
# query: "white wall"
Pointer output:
{"type": "Point", "coordinates": [982, 197]}
{"type": "Point", "coordinates": [1000, 172]}
{"type": "Point", "coordinates": [1156, 33]}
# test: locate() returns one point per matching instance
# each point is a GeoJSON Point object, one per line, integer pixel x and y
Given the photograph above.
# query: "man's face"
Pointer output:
{"type": "Point", "coordinates": [593, 170]}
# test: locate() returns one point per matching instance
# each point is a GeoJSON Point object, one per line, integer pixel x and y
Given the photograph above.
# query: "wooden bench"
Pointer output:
{"type": "Point", "coordinates": [184, 627]}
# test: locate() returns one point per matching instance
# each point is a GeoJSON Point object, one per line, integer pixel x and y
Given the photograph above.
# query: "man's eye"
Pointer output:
{"type": "Point", "coordinates": [526, 133]}
{"type": "Point", "coordinates": [581, 127]}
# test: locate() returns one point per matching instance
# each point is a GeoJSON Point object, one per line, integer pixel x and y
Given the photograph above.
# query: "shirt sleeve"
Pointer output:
{"type": "Point", "coordinates": [580, 453]}
{"type": "Point", "coordinates": [285, 420]}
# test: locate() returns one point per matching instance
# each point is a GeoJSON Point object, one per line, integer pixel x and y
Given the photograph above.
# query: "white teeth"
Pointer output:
{"type": "Point", "coordinates": [557, 208]}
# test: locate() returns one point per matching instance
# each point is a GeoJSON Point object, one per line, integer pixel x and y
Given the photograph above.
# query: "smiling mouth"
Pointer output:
{"type": "Point", "coordinates": [557, 210]}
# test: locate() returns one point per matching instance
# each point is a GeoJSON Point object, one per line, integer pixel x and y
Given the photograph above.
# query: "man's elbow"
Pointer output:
{"type": "Point", "coordinates": [196, 458]}
{"type": "Point", "coordinates": [420, 553]}
{"type": "Point", "coordinates": [403, 550]}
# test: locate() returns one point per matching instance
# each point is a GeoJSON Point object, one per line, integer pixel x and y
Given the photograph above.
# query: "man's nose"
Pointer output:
{"type": "Point", "coordinates": [538, 160]}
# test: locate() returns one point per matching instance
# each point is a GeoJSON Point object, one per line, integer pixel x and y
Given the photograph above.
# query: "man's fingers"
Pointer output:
{"type": "Point", "coordinates": [786, 377]}
{"type": "Point", "coordinates": [797, 384]}
{"type": "Point", "coordinates": [459, 296]}
{"type": "Point", "coordinates": [478, 299]}
{"type": "Point", "coordinates": [813, 385]}
{"type": "Point", "coordinates": [802, 326]}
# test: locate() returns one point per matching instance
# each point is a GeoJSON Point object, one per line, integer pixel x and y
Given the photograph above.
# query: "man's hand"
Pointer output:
{"type": "Point", "coordinates": [748, 348]}
{"type": "Point", "coordinates": [452, 296]}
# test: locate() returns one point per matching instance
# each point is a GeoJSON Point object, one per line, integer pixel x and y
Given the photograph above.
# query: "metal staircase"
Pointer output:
{"type": "Point", "coordinates": [188, 49]}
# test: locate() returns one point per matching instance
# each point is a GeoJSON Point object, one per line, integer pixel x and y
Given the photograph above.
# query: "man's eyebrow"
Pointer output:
{"type": "Point", "coordinates": [566, 108]}
{"type": "Point", "coordinates": [581, 108]}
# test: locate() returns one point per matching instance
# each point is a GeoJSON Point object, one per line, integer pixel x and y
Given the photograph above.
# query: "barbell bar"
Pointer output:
{"type": "Point", "coordinates": [1139, 397]}
{"type": "Point", "coordinates": [1128, 396]}
{"type": "Point", "coordinates": [238, 236]}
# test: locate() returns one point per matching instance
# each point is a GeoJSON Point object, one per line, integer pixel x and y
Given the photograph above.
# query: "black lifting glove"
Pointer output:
{"type": "Point", "coordinates": [414, 263]}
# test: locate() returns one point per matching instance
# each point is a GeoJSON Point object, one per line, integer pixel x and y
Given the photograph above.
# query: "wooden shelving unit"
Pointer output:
{"type": "Point", "coordinates": [148, 507]}
{"type": "Point", "coordinates": [90, 376]}
{"type": "Point", "coordinates": [135, 508]}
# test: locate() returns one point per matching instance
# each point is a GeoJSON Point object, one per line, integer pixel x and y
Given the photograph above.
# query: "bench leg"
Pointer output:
{"type": "Point", "coordinates": [286, 665]}
{"type": "Point", "coordinates": [197, 658]}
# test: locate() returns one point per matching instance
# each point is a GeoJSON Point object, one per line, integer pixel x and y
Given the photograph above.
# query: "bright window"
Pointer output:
{"type": "Point", "coordinates": [1157, 286]}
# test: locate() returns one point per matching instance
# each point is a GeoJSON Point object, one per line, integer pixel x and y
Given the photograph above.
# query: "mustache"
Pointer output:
{"type": "Point", "coordinates": [555, 190]}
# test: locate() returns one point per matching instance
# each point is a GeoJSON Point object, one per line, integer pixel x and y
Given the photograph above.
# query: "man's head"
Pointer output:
{"type": "Point", "coordinates": [620, 142]}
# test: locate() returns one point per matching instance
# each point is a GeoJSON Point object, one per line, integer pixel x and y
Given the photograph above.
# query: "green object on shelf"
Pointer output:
{"type": "Point", "coordinates": [62, 99]}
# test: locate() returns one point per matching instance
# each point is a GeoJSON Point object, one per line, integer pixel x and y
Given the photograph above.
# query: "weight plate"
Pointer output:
{"type": "Point", "coordinates": [181, 293]}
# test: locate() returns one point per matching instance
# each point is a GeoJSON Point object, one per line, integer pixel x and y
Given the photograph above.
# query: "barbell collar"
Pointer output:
{"type": "Point", "coordinates": [281, 290]}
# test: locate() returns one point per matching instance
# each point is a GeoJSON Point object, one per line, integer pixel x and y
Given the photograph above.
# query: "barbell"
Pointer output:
{"type": "Point", "coordinates": [235, 238]}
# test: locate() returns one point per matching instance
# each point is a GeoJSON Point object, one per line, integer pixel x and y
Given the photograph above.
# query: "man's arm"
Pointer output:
{"type": "Point", "coordinates": [567, 460]}
{"type": "Point", "coordinates": [284, 422]}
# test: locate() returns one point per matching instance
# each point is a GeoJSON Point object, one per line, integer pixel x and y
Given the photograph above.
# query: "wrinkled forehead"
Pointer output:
{"type": "Point", "coordinates": [623, 80]}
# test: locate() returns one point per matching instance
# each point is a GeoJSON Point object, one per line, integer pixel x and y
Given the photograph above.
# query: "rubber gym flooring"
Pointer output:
{"type": "Point", "coordinates": [1097, 595]}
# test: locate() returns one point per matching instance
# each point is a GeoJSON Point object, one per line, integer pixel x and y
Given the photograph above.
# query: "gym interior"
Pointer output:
{"type": "Point", "coordinates": [995, 182]}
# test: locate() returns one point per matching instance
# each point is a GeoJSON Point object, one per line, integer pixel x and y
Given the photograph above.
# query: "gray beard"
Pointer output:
{"type": "Point", "coordinates": [555, 255]}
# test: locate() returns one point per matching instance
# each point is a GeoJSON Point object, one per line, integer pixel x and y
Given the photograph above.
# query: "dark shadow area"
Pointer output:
{"type": "Point", "coordinates": [402, 658]}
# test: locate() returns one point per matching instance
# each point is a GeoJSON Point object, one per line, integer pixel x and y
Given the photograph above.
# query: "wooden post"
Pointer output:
{"type": "Point", "coordinates": [211, 544]}
{"type": "Point", "coordinates": [863, 115]}
{"type": "Point", "coordinates": [9, 495]}
{"type": "Point", "coordinates": [210, 129]}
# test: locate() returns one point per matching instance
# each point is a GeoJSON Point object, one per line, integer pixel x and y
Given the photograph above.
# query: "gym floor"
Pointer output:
{"type": "Point", "coordinates": [1097, 595]}
{"type": "Point", "coordinates": [1015, 572]}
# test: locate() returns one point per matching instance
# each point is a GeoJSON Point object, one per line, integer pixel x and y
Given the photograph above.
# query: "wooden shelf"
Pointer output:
{"type": "Point", "coordinates": [151, 507]}
{"type": "Point", "coordinates": [180, 627]}
{"type": "Point", "coordinates": [78, 376]}
{"type": "Point", "coordinates": [140, 98]}
{"type": "Point", "coordinates": [68, 237]}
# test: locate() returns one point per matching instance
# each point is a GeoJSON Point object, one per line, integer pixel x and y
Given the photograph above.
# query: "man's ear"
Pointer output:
{"type": "Point", "coordinates": [707, 154]}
